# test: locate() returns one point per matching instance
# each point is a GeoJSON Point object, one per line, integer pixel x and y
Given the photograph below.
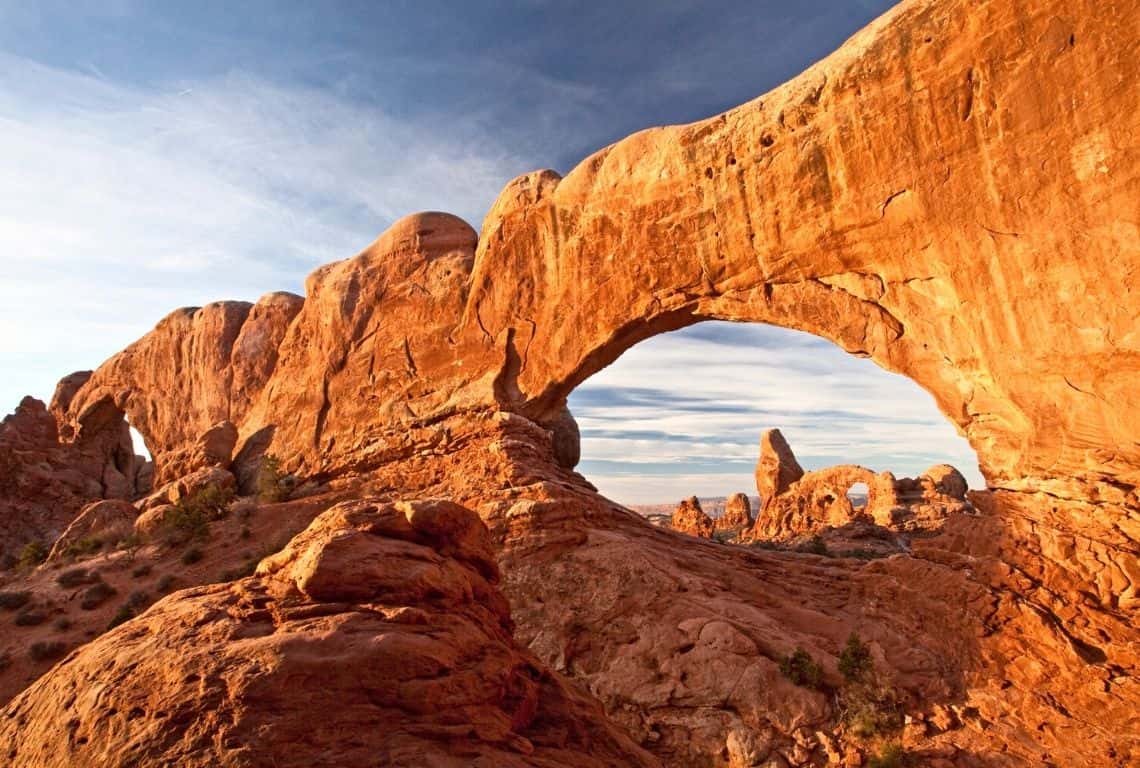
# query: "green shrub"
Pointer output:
{"type": "Point", "coordinates": [49, 649]}
{"type": "Point", "coordinates": [165, 583]}
{"type": "Point", "coordinates": [33, 553]}
{"type": "Point", "coordinates": [75, 577]}
{"type": "Point", "coordinates": [11, 601]}
{"type": "Point", "coordinates": [62, 624]}
{"type": "Point", "coordinates": [855, 662]}
{"type": "Point", "coordinates": [30, 619]}
{"type": "Point", "coordinates": [81, 548]}
{"type": "Point", "coordinates": [142, 570]}
{"type": "Point", "coordinates": [273, 485]}
{"type": "Point", "coordinates": [814, 546]}
{"type": "Point", "coordinates": [802, 669]}
{"type": "Point", "coordinates": [191, 517]}
{"type": "Point", "coordinates": [136, 604]}
{"type": "Point", "coordinates": [892, 756]}
{"type": "Point", "coordinates": [191, 556]}
{"type": "Point", "coordinates": [870, 710]}
{"type": "Point", "coordinates": [97, 594]}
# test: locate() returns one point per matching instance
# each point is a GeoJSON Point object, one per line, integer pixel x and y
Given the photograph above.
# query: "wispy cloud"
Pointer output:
{"type": "Point", "coordinates": [120, 204]}
{"type": "Point", "coordinates": [645, 442]}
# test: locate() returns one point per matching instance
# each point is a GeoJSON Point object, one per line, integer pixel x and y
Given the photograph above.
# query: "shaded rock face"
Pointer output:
{"type": "Point", "coordinates": [376, 637]}
{"type": "Point", "coordinates": [43, 484]}
{"type": "Point", "coordinates": [737, 514]}
{"type": "Point", "coordinates": [107, 521]}
{"type": "Point", "coordinates": [940, 195]}
{"type": "Point", "coordinates": [691, 519]}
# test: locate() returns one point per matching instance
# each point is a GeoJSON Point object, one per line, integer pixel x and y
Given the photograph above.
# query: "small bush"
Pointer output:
{"type": "Point", "coordinates": [30, 619]}
{"type": "Point", "coordinates": [82, 548]}
{"type": "Point", "coordinates": [892, 756]}
{"type": "Point", "coordinates": [802, 669]}
{"type": "Point", "coordinates": [860, 554]}
{"type": "Point", "coordinates": [814, 546]}
{"type": "Point", "coordinates": [11, 601]}
{"type": "Point", "coordinates": [273, 485]}
{"type": "Point", "coordinates": [5, 660]}
{"type": "Point", "coordinates": [139, 600]}
{"type": "Point", "coordinates": [855, 663]}
{"type": "Point", "coordinates": [142, 570]}
{"type": "Point", "coordinates": [190, 519]}
{"type": "Point", "coordinates": [870, 710]}
{"type": "Point", "coordinates": [33, 553]}
{"type": "Point", "coordinates": [245, 533]}
{"type": "Point", "coordinates": [191, 556]}
{"type": "Point", "coordinates": [75, 577]}
{"type": "Point", "coordinates": [97, 594]}
{"type": "Point", "coordinates": [165, 584]}
{"type": "Point", "coordinates": [49, 649]}
{"type": "Point", "coordinates": [62, 624]}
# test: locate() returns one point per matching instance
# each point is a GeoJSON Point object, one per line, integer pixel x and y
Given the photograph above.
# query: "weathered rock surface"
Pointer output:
{"type": "Point", "coordinates": [43, 484]}
{"type": "Point", "coordinates": [377, 637]}
{"type": "Point", "coordinates": [107, 521]}
{"type": "Point", "coordinates": [691, 519]}
{"type": "Point", "coordinates": [818, 500]}
{"type": "Point", "coordinates": [953, 186]}
{"type": "Point", "coordinates": [737, 514]}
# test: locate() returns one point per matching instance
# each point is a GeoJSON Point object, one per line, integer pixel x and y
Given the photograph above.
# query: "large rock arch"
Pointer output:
{"type": "Point", "coordinates": [953, 194]}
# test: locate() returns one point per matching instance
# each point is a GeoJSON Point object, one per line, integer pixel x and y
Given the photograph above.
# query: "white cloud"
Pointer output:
{"type": "Point", "coordinates": [120, 204]}
{"type": "Point", "coordinates": [682, 413]}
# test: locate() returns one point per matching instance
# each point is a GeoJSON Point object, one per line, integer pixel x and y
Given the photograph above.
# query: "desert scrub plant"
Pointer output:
{"type": "Point", "coordinates": [855, 662]}
{"type": "Point", "coordinates": [62, 624]}
{"type": "Point", "coordinates": [135, 604]}
{"type": "Point", "coordinates": [814, 546]}
{"type": "Point", "coordinates": [47, 649]}
{"type": "Point", "coordinates": [33, 553]}
{"type": "Point", "coordinates": [140, 571]}
{"type": "Point", "coordinates": [892, 755]}
{"type": "Point", "coordinates": [14, 600]}
{"type": "Point", "coordinates": [29, 618]}
{"type": "Point", "coordinates": [273, 485]}
{"type": "Point", "coordinates": [191, 517]}
{"type": "Point", "coordinates": [165, 583]}
{"type": "Point", "coordinates": [191, 556]}
{"type": "Point", "coordinates": [82, 548]}
{"type": "Point", "coordinates": [802, 669]}
{"type": "Point", "coordinates": [75, 577]}
{"type": "Point", "coordinates": [97, 594]}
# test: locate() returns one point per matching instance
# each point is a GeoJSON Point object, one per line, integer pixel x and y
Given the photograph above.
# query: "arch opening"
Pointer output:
{"type": "Point", "coordinates": [680, 415]}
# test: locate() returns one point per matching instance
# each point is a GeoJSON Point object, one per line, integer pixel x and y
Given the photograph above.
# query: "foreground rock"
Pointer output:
{"type": "Point", "coordinates": [377, 637]}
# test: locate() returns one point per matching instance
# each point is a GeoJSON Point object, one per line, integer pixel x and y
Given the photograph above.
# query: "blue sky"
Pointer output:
{"type": "Point", "coordinates": [164, 154]}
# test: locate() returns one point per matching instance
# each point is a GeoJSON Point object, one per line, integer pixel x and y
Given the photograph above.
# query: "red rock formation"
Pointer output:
{"type": "Point", "coordinates": [737, 514]}
{"type": "Point", "coordinates": [107, 521]}
{"type": "Point", "coordinates": [691, 519]}
{"type": "Point", "coordinates": [377, 637]}
{"type": "Point", "coordinates": [940, 195]}
{"type": "Point", "coordinates": [43, 485]}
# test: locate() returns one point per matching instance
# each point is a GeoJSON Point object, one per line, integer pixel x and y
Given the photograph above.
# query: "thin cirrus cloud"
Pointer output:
{"type": "Point", "coordinates": [121, 203]}
{"type": "Point", "coordinates": [681, 414]}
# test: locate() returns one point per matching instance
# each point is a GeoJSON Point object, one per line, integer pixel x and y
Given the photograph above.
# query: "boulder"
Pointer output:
{"type": "Point", "coordinates": [109, 521]}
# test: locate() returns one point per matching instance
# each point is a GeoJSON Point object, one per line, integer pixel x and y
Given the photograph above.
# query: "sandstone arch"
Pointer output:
{"type": "Point", "coordinates": [952, 194]}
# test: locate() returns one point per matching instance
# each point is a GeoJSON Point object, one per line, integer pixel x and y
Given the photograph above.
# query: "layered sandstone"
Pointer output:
{"type": "Point", "coordinates": [376, 637]}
